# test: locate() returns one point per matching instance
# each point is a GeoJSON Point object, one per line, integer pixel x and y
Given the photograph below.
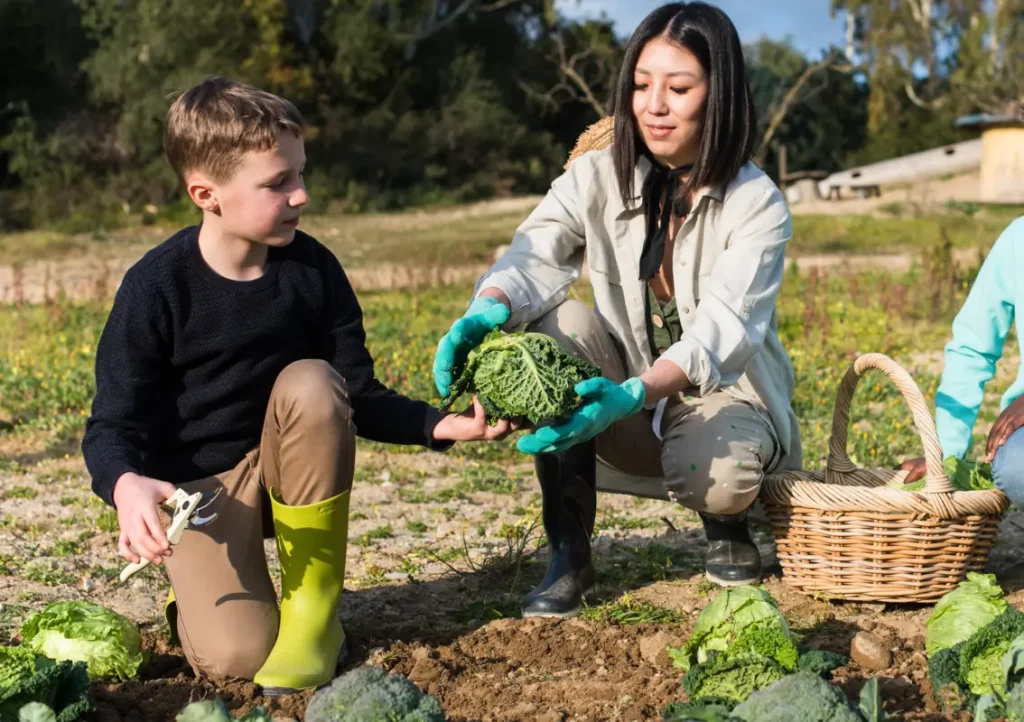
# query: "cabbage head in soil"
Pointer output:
{"type": "Point", "coordinates": [522, 375]}
{"type": "Point", "coordinates": [107, 642]}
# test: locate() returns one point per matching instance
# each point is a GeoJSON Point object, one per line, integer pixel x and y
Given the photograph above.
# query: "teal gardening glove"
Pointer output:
{"type": "Point", "coordinates": [483, 316]}
{"type": "Point", "coordinates": [608, 402]}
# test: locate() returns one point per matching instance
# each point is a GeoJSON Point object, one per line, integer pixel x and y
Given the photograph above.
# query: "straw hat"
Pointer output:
{"type": "Point", "coordinates": [597, 137]}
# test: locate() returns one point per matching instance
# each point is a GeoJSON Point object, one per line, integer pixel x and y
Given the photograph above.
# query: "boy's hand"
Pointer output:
{"type": "Point", "coordinates": [137, 498]}
{"type": "Point", "coordinates": [1009, 421]}
{"type": "Point", "coordinates": [917, 469]}
{"type": "Point", "coordinates": [471, 425]}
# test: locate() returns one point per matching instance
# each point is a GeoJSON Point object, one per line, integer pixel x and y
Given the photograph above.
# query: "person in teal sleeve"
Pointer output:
{"type": "Point", "coordinates": [979, 335]}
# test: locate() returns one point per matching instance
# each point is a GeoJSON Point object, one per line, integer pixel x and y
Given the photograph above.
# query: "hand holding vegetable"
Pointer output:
{"type": "Point", "coordinates": [484, 315]}
{"type": "Point", "coordinates": [471, 425]}
{"type": "Point", "coordinates": [137, 498]}
{"type": "Point", "coordinates": [605, 402]}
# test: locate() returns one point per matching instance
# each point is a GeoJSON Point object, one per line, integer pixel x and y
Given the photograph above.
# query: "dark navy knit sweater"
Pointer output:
{"type": "Point", "coordinates": [187, 360]}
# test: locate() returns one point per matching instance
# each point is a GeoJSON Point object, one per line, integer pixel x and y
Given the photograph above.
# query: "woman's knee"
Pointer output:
{"type": "Point", "coordinates": [1008, 468]}
{"type": "Point", "coordinates": [709, 483]}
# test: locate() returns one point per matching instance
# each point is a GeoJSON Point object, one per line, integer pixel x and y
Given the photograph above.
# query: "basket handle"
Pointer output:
{"type": "Point", "coordinates": [936, 481]}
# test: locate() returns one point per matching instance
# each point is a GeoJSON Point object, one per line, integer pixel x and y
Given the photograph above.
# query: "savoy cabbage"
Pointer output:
{"type": "Point", "coordinates": [522, 375]}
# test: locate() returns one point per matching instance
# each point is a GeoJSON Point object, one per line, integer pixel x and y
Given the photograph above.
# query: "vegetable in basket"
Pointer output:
{"type": "Point", "coordinates": [107, 642]}
{"type": "Point", "coordinates": [963, 475]}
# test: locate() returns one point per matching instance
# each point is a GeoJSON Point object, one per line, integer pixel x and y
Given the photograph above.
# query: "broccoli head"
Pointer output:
{"type": "Point", "coordinates": [802, 696]}
{"type": "Point", "coordinates": [982, 654]}
{"type": "Point", "coordinates": [731, 676]}
{"type": "Point", "coordinates": [522, 374]}
{"type": "Point", "coordinates": [369, 694]}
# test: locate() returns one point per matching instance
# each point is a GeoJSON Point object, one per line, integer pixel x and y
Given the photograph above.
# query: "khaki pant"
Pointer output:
{"type": "Point", "coordinates": [225, 602]}
{"type": "Point", "coordinates": [713, 453]}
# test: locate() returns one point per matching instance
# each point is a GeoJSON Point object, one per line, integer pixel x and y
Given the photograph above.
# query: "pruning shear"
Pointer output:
{"type": "Point", "coordinates": [186, 509]}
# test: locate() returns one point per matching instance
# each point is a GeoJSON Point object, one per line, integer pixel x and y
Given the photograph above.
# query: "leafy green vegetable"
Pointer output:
{"type": "Point", "coordinates": [1012, 663]}
{"type": "Point", "coordinates": [63, 687]}
{"type": "Point", "coordinates": [870, 704]}
{"type": "Point", "coordinates": [522, 374]}
{"type": "Point", "coordinates": [17, 663]}
{"type": "Point", "coordinates": [944, 674]}
{"type": "Point", "coordinates": [747, 617]}
{"type": "Point", "coordinates": [82, 631]}
{"type": "Point", "coordinates": [369, 694]}
{"type": "Point", "coordinates": [799, 697]}
{"type": "Point", "coordinates": [987, 709]}
{"type": "Point", "coordinates": [214, 710]}
{"type": "Point", "coordinates": [1013, 705]}
{"type": "Point", "coordinates": [731, 676]}
{"type": "Point", "coordinates": [36, 712]}
{"type": "Point", "coordinates": [982, 654]}
{"type": "Point", "coordinates": [702, 711]}
{"type": "Point", "coordinates": [821, 662]}
{"type": "Point", "coordinates": [974, 603]}
{"type": "Point", "coordinates": [963, 475]}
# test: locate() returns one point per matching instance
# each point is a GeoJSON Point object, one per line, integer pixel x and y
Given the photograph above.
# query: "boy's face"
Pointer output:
{"type": "Point", "coordinates": [261, 202]}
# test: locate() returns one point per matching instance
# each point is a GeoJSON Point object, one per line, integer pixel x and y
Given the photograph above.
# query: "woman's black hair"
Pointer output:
{"type": "Point", "coordinates": [730, 122]}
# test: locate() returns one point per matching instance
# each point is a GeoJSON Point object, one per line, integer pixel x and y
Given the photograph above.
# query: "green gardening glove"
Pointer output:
{"type": "Point", "coordinates": [483, 316]}
{"type": "Point", "coordinates": [605, 402]}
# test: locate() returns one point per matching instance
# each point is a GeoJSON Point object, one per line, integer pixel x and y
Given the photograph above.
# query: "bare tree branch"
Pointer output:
{"type": "Point", "coordinates": [787, 102]}
{"type": "Point", "coordinates": [916, 99]}
{"type": "Point", "coordinates": [568, 68]}
{"type": "Point", "coordinates": [433, 24]}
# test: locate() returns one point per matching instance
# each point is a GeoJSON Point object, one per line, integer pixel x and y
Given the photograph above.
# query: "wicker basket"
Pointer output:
{"type": "Point", "coordinates": [842, 534]}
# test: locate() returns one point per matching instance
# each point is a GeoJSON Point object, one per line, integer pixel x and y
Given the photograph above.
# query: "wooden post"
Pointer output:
{"type": "Point", "coordinates": [782, 167]}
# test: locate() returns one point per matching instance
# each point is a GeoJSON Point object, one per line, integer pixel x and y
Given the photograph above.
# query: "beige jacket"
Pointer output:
{"type": "Point", "coordinates": [728, 266]}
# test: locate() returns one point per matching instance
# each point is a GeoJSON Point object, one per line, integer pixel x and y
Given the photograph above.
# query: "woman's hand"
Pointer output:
{"type": "Point", "coordinates": [1009, 421]}
{"type": "Point", "coordinates": [916, 467]}
{"type": "Point", "coordinates": [607, 402]}
{"type": "Point", "coordinates": [471, 425]}
{"type": "Point", "coordinates": [485, 314]}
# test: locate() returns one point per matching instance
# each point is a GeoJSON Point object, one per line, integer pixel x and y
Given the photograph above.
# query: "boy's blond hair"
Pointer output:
{"type": "Point", "coordinates": [211, 126]}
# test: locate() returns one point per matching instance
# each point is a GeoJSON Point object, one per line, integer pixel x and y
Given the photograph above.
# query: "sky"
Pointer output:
{"type": "Point", "coordinates": [808, 22]}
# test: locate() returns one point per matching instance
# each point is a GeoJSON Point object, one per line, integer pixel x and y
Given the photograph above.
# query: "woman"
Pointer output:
{"type": "Point", "coordinates": [685, 242]}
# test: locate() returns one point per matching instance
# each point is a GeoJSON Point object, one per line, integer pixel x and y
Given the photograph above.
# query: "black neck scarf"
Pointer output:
{"type": "Point", "coordinates": [661, 188]}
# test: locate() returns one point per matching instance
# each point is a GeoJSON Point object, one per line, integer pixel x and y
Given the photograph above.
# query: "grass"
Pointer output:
{"type": "Point", "coordinates": [627, 610]}
{"type": "Point", "coordinates": [469, 234]}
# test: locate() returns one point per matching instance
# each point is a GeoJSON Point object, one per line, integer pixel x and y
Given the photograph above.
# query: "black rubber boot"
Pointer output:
{"type": "Point", "coordinates": [733, 558]}
{"type": "Point", "coordinates": [569, 485]}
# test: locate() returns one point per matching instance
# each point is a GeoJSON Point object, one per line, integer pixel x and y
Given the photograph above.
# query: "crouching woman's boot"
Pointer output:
{"type": "Point", "coordinates": [311, 542]}
{"type": "Point", "coordinates": [732, 557]}
{"type": "Point", "coordinates": [569, 486]}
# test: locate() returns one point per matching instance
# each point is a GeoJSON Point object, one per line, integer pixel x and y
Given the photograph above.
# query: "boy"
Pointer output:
{"type": "Point", "coordinates": [979, 332]}
{"type": "Point", "coordinates": [234, 359]}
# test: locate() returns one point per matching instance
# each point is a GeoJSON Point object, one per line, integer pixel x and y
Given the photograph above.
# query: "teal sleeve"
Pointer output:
{"type": "Point", "coordinates": [979, 331]}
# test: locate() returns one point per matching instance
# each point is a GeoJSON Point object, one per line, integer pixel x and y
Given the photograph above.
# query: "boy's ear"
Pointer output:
{"type": "Point", "coordinates": [203, 192]}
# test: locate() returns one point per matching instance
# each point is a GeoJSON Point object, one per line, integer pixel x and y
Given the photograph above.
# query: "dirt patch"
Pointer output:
{"type": "Point", "coordinates": [166, 684]}
{"type": "Point", "coordinates": [538, 669]}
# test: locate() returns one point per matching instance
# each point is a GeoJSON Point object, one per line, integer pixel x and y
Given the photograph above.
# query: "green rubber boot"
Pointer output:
{"type": "Point", "coordinates": [311, 542]}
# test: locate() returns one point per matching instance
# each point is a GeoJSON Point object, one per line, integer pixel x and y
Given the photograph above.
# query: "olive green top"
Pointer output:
{"type": "Point", "coordinates": [663, 325]}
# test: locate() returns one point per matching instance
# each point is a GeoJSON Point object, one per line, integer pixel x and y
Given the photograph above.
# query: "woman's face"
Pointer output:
{"type": "Point", "coordinates": [670, 91]}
